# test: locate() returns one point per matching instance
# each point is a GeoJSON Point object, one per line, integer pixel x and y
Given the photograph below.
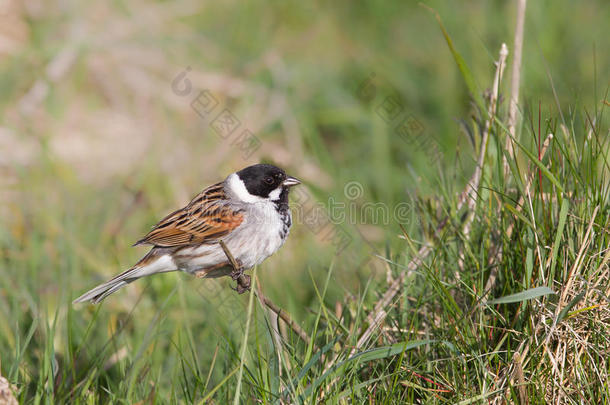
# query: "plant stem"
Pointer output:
{"type": "Point", "coordinates": [264, 299]}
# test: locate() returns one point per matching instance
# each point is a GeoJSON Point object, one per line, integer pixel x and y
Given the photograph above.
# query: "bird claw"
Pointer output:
{"type": "Point", "coordinates": [237, 273]}
{"type": "Point", "coordinates": [243, 283]}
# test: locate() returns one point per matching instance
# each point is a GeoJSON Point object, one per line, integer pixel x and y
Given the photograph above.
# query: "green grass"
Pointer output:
{"type": "Point", "coordinates": [509, 303]}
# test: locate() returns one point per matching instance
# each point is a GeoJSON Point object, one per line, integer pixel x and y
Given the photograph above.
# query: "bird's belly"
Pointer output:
{"type": "Point", "coordinates": [250, 243]}
{"type": "Point", "coordinates": [251, 248]}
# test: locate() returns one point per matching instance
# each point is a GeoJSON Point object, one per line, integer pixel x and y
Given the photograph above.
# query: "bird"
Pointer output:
{"type": "Point", "coordinates": [248, 212]}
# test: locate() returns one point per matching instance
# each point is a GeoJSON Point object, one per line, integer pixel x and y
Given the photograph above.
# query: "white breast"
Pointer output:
{"type": "Point", "coordinates": [261, 235]}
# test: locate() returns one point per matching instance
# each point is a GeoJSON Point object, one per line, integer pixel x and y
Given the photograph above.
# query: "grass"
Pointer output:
{"type": "Point", "coordinates": [502, 298]}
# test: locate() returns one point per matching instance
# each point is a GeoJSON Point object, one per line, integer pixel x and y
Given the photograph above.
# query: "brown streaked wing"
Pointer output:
{"type": "Point", "coordinates": [205, 219]}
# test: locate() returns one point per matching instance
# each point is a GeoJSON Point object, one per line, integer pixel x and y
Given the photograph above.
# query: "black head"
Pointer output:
{"type": "Point", "coordinates": [266, 181]}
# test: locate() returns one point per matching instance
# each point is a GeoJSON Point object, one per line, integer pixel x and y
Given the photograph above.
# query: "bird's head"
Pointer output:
{"type": "Point", "coordinates": [261, 182]}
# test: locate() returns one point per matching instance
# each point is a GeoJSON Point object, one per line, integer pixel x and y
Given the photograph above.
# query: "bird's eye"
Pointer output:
{"type": "Point", "coordinates": [269, 180]}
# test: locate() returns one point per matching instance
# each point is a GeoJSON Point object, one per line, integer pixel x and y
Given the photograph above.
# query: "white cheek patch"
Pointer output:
{"type": "Point", "coordinates": [275, 194]}
{"type": "Point", "coordinates": [237, 187]}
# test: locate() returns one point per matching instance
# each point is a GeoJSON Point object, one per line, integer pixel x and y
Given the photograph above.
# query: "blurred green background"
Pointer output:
{"type": "Point", "coordinates": [96, 145]}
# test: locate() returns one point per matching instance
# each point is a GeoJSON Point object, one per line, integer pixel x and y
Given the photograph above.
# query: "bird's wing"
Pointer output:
{"type": "Point", "coordinates": [206, 219]}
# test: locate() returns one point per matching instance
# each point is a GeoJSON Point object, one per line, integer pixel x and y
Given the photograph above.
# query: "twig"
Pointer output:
{"type": "Point", "coordinates": [245, 283]}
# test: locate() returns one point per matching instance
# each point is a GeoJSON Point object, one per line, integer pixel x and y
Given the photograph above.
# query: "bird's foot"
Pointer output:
{"type": "Point", "coordinates": [243, 284]}
{"type": "Point", "coordinates": [243, 280]}
{"type": "Point", "coordinates": [237, 273]}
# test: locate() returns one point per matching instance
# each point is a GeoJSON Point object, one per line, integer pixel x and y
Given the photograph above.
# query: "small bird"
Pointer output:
{"type": "Point", "coordinates": [248, 211]}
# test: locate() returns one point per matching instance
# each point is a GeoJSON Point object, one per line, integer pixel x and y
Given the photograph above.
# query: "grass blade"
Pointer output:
{"type": "Point", "coordinates": [367, 355]}
{"type": "Point", "coordinates": [522, 296]}
{"type": "Point", "coordinates": [244, 345]}
{"type": "Point", "coordinates": [462, 66]}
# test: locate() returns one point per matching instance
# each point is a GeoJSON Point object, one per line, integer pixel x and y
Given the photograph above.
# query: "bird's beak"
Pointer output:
{"type": "Point", "coordinates": [291, 181]}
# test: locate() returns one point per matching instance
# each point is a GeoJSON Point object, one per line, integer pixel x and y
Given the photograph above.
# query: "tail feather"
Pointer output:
{"type": "Point", "coordinates": [150, 264]}
{"type": "Point", "coordinates": [100, 292]}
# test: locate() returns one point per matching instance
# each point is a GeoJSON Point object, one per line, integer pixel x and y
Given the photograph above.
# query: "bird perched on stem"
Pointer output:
{"type": "Point", "coordinates": [248, 211]}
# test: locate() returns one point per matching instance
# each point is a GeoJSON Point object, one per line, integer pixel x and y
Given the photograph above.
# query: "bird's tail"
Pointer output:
{"type": "Point", "coordinates": [152, 263]}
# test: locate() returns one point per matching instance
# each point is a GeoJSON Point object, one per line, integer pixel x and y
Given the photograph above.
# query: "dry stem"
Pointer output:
{"type": "Point", "coordinates": [243, 282]}
{"type": "Point", "coordinates": [478, 173]}
{"type": "Point", "coordinates": [378, 314]}
{"type": "Point", "coordinates": [514, 82]}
